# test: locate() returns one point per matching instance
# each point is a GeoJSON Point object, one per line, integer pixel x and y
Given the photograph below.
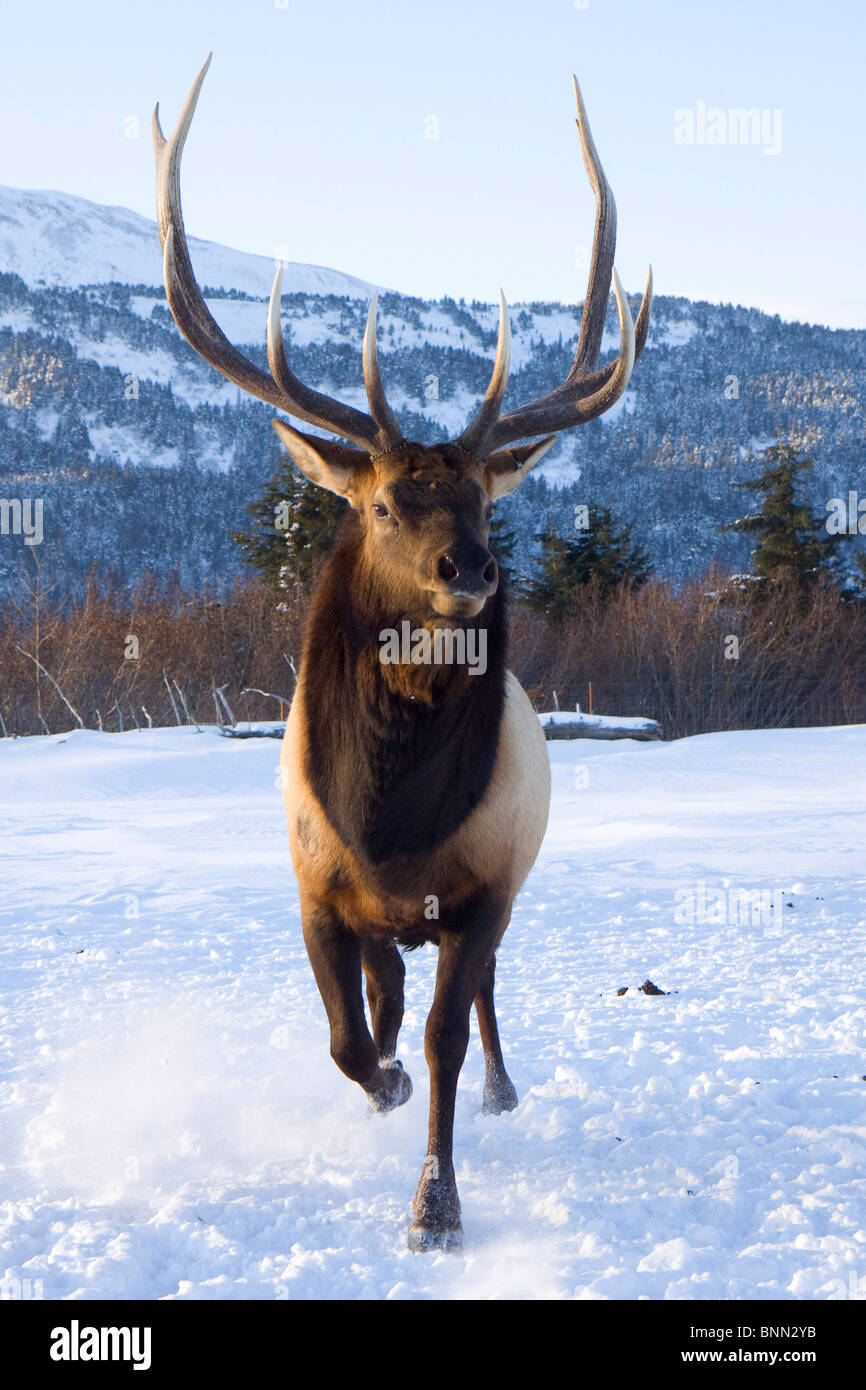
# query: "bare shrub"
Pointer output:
{"type": "Point", "coordinates": [699, 659]}
{"type": "Point", "coordinates": [158, 655]}
{"type": "Point", "coordinates": [119, 657]}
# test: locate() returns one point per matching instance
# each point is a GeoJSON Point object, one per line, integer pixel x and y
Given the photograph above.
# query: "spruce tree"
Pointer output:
{"type": "Point", "coordinates": [602, 557]}
{"type": "Point", "coordinates": [854, 585]}
{"type": "Point", "coordinates": [793, 545]}
{"type": "Point", "coordinates": [294, 524]}
{"type": "Point", "coordinates": [502, 542]}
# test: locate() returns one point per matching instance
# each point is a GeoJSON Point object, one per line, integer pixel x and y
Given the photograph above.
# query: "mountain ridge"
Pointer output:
{"type": "Point", "coordinates": [124, 431]}
{"type": "Point", "coordinates": [128, 250]}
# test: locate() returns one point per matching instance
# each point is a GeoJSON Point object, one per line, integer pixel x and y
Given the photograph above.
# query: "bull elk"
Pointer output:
{"type": "Point", "coordinates": [417, 791]}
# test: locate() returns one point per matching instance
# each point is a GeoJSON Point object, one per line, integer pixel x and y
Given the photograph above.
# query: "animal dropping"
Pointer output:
{"type": "Point", "coordinates": [411, 783]}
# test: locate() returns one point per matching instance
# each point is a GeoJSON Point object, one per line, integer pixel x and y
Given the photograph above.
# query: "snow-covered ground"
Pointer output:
{"type": "Point", "coordinates": [173, 1127]}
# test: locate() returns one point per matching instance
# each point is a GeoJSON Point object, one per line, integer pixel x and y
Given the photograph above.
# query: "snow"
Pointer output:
{"type": "Point", "coordinates": [59, 239]}
{"type": "Point", "coordinates": [172, 1124]}
{"type": "Point", "coordinates": [596, 721]}
{"type": "Point", "coordinates": [674, 334]}
{"type": "Point", "coordinates": [127, 445]}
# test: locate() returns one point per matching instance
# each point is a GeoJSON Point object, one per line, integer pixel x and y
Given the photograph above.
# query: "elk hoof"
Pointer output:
{"type": "Point", "coordinates": [424, 1239]}
{"type": "Point", "coordinates": [436, 1221]}
{"type": "Point", "coordinates": [499, 1095]}
{"type": "Point", "coordinates": [393, 1087]}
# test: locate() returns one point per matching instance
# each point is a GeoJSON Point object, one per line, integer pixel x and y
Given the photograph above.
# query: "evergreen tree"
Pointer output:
{"type": "Point", "coordinates": [72, 437]}
{"type": "Point", "coordinates": [854, 585]}
{"type": "Point", "coordinates": [502, 543]}
{"type": "Point", "coordinates": [294, 524]}
{"type": "Point", "coordinates": [793, 545]}
{"type": "Point", "coordinates": [602, 557]}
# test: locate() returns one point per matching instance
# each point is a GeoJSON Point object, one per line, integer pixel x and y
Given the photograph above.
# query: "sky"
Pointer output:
{"type": "Point", "coordinates": [429, 146]}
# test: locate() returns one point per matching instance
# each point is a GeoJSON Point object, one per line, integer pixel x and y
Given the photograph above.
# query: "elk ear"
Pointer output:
{"type": "Point", "coordinates": [506, 469]}
{"type": "Point", "coordinates": [328, 465]}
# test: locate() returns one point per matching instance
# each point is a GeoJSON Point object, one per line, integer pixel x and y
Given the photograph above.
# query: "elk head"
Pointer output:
{"type": "Point", "coordinates": [424, 509]}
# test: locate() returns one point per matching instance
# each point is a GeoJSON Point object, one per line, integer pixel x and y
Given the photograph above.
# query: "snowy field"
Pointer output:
{"type": "Point", "coordinates": [172, 1124]}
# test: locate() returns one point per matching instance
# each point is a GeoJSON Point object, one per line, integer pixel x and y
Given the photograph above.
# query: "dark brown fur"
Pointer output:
{"type": "Point", "coordinates": [398, 756]}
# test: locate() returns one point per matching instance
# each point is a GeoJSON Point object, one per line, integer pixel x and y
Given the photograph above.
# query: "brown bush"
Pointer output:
{"type": "Point", "coordinates": [659, 652]}
{"type": "Point", "coordinates": [662, 654]}
{"type": "Point", "coordinates": [186, 646]}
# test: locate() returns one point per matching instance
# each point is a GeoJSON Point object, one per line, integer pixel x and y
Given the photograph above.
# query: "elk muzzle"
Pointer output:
{"type": "Point", "coordinates": [465, 577]}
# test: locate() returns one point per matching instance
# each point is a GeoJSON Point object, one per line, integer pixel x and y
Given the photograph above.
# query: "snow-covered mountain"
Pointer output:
{"type": "Point", "coordinates": [147, 458]}
{"type": "Point", "coordinates": [57, 239]}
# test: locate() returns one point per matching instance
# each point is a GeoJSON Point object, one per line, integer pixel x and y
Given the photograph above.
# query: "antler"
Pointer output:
{"type": "Point", "coordinates": [586, 392]}
{"type": "Point", "coordinates": [376, 433]}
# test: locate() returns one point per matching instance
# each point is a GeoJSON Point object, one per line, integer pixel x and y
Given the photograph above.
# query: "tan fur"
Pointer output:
{"type": "Point", "coordinates": [496, 844]}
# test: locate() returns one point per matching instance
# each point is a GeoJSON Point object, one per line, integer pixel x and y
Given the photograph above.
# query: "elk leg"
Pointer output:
{"type": "Point", "coordinates": [499, 1093]}
{"type": "Point", "coordinates": [385, 972]}
{"type": "Point", "coordinates": [335, 955]}
{"type": "Point", "coordinates": [463, 957]}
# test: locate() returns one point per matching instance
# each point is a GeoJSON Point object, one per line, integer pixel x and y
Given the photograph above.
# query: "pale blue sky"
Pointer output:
{"type": "Point", "coordinates": [312, 136]}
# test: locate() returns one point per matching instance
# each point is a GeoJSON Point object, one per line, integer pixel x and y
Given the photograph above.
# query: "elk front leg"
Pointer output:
{"type": "Point", "coordinates": [499, 1092]}
{"type": "Point", "coordinates": [464, 953]}
{"type": "Point", "coordinates": [335, 955]}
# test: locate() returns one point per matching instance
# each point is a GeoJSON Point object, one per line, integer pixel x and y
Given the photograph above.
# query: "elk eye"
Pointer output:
{"type": "Point", "coordinates": [379, 510]}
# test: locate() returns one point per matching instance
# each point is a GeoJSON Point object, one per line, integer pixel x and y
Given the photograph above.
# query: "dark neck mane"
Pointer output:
{"type": "Point", "coordinates": [395, 775]}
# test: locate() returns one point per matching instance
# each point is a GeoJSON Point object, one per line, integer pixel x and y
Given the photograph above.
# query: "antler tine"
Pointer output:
{"type": "Point", "coordinates": [593, 381]}
{"type": "Point", "coordinates": [641, 328]}
{"type": "Point", "coordinates": [280, 388]}
{"type": "Point", "coordinates": [168, 206]}
{"type": "Point", "coordinates": [586, 392]}
{"type": "Point", "coordinates": [565, 407]}
{"type": "Point", "coordinates": [603, 250]}
{"type": "Point", "coordinates": [473, 437]}
{"type": "Point", "coordinates": [390, 433]}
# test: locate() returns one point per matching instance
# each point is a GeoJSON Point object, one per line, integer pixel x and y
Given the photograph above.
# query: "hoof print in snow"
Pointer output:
{"type": "Point", "coordinates": [649, 988]}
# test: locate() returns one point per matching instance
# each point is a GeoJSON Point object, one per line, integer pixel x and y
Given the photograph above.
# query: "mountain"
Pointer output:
{"type": "Point", "coordinates": [146, 458]}
{"type": "Point", "coordinates": [57, 239]}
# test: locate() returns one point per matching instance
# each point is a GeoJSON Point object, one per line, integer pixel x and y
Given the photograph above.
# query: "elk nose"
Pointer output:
{"type": "Point", "coordinates": [470, 575]}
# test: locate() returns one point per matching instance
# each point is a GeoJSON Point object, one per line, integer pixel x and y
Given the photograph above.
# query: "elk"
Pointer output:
{"type": "Point", "coordinates": [416, 792]}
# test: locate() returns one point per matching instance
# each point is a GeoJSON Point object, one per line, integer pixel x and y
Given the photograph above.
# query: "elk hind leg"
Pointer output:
{"type": "Point", "coordinates": [499, 1092]}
